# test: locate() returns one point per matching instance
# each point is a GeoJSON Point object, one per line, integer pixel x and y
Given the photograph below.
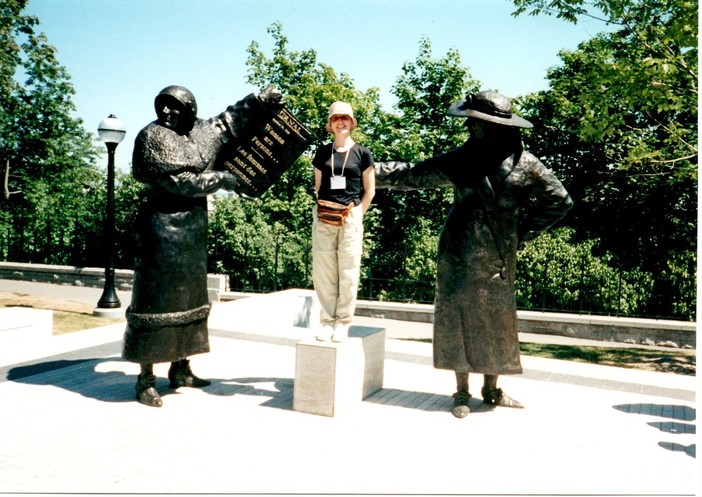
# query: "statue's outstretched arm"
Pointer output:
{"type": "Point", "coordinates": [405, 176]}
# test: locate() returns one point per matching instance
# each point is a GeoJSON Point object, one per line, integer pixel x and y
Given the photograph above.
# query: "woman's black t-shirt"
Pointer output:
{"type": "Point", "coordinates": [359, 159]}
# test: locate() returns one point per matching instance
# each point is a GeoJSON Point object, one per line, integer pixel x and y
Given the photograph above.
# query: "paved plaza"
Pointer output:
{"type": "Point", "coordinates": [70, 425]}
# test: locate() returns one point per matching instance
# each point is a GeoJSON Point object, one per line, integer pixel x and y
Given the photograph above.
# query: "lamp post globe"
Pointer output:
{"type": "Point", "coordinates": [111, 131]}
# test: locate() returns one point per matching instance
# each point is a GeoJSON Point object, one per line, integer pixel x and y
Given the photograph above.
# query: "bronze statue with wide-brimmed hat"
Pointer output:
{"type": "Point", "coordinates": [475, 319]}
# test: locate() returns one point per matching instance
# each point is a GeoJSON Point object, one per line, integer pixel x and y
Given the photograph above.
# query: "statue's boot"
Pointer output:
{"type": "Point", "coordinates": [496, 397]}
{"type": "Point", "coordinates": [146, 391]}
{"type": "Point", "coordinates": [180, 375]}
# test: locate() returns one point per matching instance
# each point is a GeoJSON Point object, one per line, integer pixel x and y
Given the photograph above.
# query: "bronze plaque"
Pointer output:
{"type": "Point", "coordinates": [261, 161]}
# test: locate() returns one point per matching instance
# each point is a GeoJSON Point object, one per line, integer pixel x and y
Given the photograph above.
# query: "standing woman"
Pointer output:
{"type": "Point", "coordinates": [344, 180]}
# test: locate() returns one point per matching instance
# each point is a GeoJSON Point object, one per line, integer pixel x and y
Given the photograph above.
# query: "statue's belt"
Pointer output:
{"type": "Point", "coordinates": [181, 318]}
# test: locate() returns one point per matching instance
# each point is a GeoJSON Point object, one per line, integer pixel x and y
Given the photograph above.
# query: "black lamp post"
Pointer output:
{"type": "Point", "coordinates": [111, 131]}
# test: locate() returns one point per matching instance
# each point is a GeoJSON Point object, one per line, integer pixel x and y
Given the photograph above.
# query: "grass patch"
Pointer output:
{"type": "Point", "coordinates": [68, 322]}
{"type": "Point", "coordinates": [678, 361]}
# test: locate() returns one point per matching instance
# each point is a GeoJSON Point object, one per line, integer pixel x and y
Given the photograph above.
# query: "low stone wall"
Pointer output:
{"type": "Point", "coordinates": [88, 276]}
{"type": "Point", "coordinates": [604, 328]}
{"type": "Point", "coordinates": [662, 332]}
{"type": "Point", "coordinates": [64, 275]}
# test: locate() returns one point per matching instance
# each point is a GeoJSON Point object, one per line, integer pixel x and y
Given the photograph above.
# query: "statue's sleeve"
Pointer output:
{"type": "Point", "coordinates": [549, 203]}
{"type": "Point", "coordinates": [189, 184]}
{"type": "Point", "coordinates": [405, 176]}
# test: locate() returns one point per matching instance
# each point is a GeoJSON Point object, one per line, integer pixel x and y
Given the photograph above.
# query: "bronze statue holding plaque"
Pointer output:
{"type": "Point", "coordinates": [260, 160]}
{"type": "Point", "coordinates": [175, 157]}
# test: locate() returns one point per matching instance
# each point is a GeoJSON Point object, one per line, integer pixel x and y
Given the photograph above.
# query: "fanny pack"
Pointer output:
{"type": "Point", "coordinates": [333, 213]}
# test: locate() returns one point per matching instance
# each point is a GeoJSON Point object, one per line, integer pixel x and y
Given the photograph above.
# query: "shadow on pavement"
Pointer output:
{"type": "Point", "coordinates": [424, 401]}
{"type": "Point", "coordinates": [82, 377]}
{"type": "Point", "coordinates": [679, 413]}
{"type": "Point", "coordinates": [281, 393]}
{"type": "Point", "coordinates": [79, 376]}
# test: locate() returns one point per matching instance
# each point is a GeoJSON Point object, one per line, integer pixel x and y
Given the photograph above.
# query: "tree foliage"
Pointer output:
{"type": "Point", "coordinates": [425, 90]}
{"type": "Point", "coordinates": [411, 220]}
{"type": "Point", "coordinates": [46, 156]}
{"type": "Point", "coordinates": [619, 125]}
{"type": "Point", "coordinates": [637, 84]}
{"type": "Point", "coordinates": [558, 272]}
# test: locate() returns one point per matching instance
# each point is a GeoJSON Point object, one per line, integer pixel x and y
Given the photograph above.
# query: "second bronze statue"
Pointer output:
{"type": "Point", "coordinates": [503, 197]}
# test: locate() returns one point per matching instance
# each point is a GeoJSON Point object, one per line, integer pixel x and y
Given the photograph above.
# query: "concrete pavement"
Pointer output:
{"type": "Point", "coordinates": [70, 425]}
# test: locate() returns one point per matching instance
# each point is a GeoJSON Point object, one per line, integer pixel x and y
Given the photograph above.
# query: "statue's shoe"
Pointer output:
{"type": "Point", "coordinates": [497, 397]}
{"type": "Point", "coordinates": [460, 407]}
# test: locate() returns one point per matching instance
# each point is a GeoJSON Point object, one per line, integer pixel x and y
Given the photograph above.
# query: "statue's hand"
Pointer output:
{"type": "Point", "coordinates": [271, 97]}
{"type": "Point", "coordinates": [229, 181]}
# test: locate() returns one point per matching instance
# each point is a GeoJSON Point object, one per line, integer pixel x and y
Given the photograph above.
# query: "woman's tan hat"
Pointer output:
{"type": "Point", "coordinates": [341, 108]}
{"type": "Point", "coordinates": [488, 106]}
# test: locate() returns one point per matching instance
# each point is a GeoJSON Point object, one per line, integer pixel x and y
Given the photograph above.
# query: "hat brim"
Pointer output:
{"type": "Point", "coordinates": [458, 109]}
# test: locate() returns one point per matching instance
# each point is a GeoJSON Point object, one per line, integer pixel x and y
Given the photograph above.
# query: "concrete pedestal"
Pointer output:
{"type": "Point", "coordinates": [330, 377]}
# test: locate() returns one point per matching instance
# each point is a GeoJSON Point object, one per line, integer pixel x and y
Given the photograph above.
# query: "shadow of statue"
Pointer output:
{"type": "Point", "coordinates": [679, 413]}
{"type": "Point", "coordinates": [690, 450]}
{"type": "Point", "coordinates": [79, 376]}
{"type": "Point", "coordinates": [423, 401]}
{"type": "Point", "coordinates": [280, 395]}
{"type": "Point", "coordinates": [82, 376]}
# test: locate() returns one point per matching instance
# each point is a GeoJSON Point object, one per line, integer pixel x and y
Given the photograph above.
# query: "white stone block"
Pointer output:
{"type": "Point", "coordinates": [21, 324]}
{"type": "Point", "coordinates": [217, 282]}
{"type": "Point", "coordinates": [275, 314]}
{"type": "Point", "coordinates": [331, 377]}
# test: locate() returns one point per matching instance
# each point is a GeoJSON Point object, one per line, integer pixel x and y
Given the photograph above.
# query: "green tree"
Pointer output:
{"type": "Point", "coordinates": [411, 220]}
{"type": "Point", "coordinates": [619, 125]}
{"type": "Point", "coordinates": [43, 149]}
{"type": "Point", "coordinates": [241, 244]}
{"type": "Point", "coordinates": [647, 69]}
{"type": "Point", "coordinates": [129, 197]}
{"type": "Point", "coordinates": [557, 272]}
{"type": "Point", "coordinates": [425, 90]}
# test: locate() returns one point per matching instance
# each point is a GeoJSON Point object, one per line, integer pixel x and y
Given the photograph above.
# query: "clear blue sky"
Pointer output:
{"type": "Point", "coordinates": [120, 53]}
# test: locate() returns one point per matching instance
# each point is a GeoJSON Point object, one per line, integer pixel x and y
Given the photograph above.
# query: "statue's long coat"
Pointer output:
{"type": "Point", "coordinates": [167, 318]}
{"type": "Point", "coordinates": [499, 203]}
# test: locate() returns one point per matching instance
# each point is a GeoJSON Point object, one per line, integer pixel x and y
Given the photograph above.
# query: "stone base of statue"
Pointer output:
{"type": "Point", "coordinates": [332, 377]}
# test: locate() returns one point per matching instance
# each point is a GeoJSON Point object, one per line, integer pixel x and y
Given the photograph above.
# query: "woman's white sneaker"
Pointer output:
{"type": "Point", "coordinates": [326, 333]}
{"type": "Point", "coordinates": [341, 333]}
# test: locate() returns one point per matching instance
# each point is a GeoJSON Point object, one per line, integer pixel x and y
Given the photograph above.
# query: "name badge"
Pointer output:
{"type": "Point", "coordinates": [338, 183]}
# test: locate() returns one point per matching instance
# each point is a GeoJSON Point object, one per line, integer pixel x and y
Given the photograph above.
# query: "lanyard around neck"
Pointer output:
{"type": "Point", "coordinates": [343, 166]}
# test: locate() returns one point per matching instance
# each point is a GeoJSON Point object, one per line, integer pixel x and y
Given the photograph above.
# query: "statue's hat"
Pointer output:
{"type": "Point", "coordinates": [182, 95]}
{"type": "Point", "coordinates": [488, 106]}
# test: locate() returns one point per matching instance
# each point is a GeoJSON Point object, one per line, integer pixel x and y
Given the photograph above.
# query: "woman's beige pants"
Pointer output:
{"type": "Point", "coordinates": [336, 266]}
